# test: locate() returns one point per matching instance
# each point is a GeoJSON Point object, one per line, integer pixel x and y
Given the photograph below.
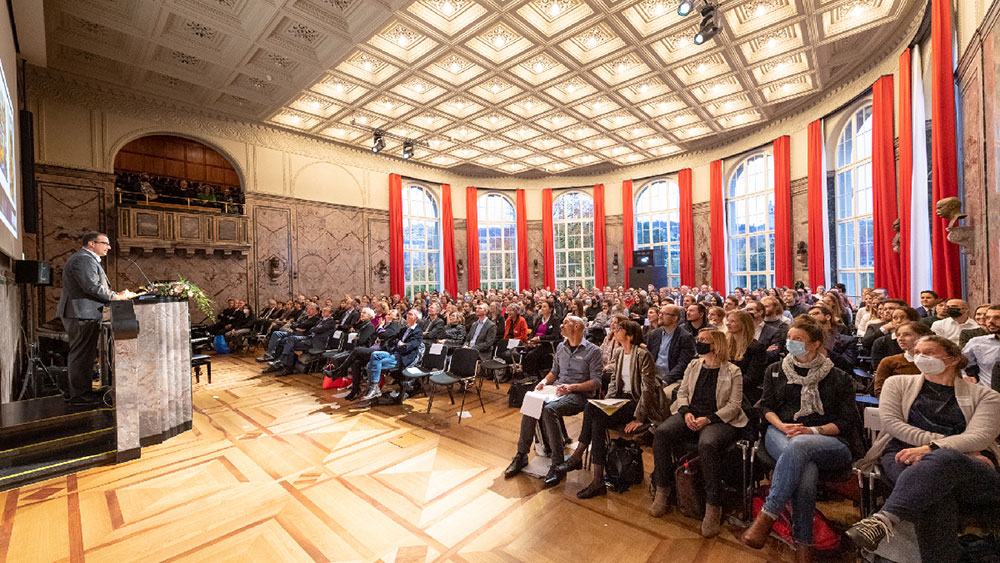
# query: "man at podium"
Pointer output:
{"type": "Point", "coordinates": [85, 291]}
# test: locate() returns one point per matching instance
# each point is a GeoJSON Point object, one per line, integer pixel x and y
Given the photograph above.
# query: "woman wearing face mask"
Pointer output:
{"type": "Point", "coordinates": [938, 445]}
{"type": "Point", "coordinates": [633, 377]}
{"type": "Point", "coordinates": [813, 426]}
{"type": "Point", "coordinates": [707, 410]}
{"type": "Point", "coordinates": [907, 335]}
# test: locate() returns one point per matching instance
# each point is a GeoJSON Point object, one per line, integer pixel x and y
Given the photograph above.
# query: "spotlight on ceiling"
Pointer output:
{"type": "Point", "coordinates": [407, 149]}
{"type": "Point", "coordinates": [378, 143]}
{"type": "Point", "coordinates": [709, 27]}
{"type": "Point", "coordinates": [685, 7]}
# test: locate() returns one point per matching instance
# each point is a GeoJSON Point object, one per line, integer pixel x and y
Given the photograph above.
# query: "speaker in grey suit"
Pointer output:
{"type": "Point", "coordinates": [85, 291]}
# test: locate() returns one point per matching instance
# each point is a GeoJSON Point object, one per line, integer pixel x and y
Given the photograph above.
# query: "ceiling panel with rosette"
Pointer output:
{"type": "Point", "coordinates": [491, 87]}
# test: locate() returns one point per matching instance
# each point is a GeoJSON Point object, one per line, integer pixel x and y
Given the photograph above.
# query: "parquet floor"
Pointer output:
{"type": "Point", "coordinates": [280, 470]}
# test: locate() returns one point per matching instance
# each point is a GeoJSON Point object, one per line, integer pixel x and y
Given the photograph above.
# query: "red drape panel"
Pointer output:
{"type": "Point", "coordinates": [600, 241]}
{"type": "Point", "coordinates": [523, 276]}
{"type": "Point", "coordinates": [396, 266]}
{"type": "Point", "coordinates": [548, 242]}
{"type": "Point", "coordinates": [628, 228]}
{"type": "Point", "coordinates": [944, 147]}
{"type": "Point", "coordinates": [717, 206]}
{"type": "Point", "coordinates": [448, 241]}
{"type": "Point", "coordinates": [783, 275]}
{"type": "Point", "coordinates": [816, 185]}
{"type": "Point", "coordinates": [884, 200]}
{"type": "Point", "coordinates": [687, 227]}
{"type": "Point", "coordinates": [472, 228]}
{"type": "Point", "coordinates": [905, 179]}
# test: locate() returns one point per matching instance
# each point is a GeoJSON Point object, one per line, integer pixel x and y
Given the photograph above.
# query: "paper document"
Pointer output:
{"type": "Point", "coordinates": [609, 406]}
{"type": "Point", "coordinates": [535, 400]}
{"type": "Point", "coordinates": [436, 349]}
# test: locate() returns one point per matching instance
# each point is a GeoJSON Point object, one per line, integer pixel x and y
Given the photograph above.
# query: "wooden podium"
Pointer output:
{"type": "Point", "coordinates": [152, 375]}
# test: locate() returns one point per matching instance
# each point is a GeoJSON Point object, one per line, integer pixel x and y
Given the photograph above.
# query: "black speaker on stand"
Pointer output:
{"type": "Point", "coordinates": [639, 277]}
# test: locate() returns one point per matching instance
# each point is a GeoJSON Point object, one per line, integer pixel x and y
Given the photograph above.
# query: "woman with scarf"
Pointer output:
{"type": "Point", "coordinates": [813, 427]}
{"type": "Point", "coordinates": [634, 378]}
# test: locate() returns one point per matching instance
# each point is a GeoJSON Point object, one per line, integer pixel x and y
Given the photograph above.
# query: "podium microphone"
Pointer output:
{"type": "Point", "coordinates": [134, 263]}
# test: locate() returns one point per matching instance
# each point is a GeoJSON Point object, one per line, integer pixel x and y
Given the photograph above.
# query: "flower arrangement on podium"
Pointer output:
{"type": "Point", "coordinates": [183, 289]}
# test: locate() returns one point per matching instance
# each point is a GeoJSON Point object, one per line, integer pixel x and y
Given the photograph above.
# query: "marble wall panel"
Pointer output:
{"type": "Point", "coordinates": [272, 238]}
{"type": "Point", "coordinates": [535, 254]}
{"type": "Point", "coordinates": [10, 329]}
{"type": "Point", "coordinates": [991, 121]}
{"type": "Point", "coordinates": [329, 250]}
{"type": "Point", "coordinates": [970, 98]}
{"type": "Point", "coordinates": [614, 236]}
{"type": "Point", "coordinates": [702, 244]}
{"type": "Point", "coordinates": [377, 243]}
{"type": "Point", "coordinates": [800, 228]}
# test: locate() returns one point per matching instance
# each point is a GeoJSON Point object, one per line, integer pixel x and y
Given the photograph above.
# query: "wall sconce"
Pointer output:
{"type": "Point", "coordinates": [460, 267]}
{"type": "Point", "coordinates": [614, 263]}
{"type": "Point", "coordinates": [534, 270]}
{"type": "Point", "coordinates": [274, 267]}
{"type": "Point", "coordinates": [381, 271]}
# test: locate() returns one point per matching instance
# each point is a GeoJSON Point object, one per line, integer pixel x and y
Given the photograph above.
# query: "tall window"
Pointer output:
{"type": "Point", "coordinates": [573, 229]}
{"type": "Point", "coordinates": [497, 242]}
{"type": "Point", "coordinates": [421, 241]}
{"type": "Point", "coordinates": [750, 212]}
{"type": "Point", "coordinates": [853, 197]}
{"type": "Point", "coordinates": [657, 224]}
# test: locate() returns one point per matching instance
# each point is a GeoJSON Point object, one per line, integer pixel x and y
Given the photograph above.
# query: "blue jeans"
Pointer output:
{"type": "Point", "coordinates": [799, 462]}
{"type": "Point", "coordinates": [275, 342]}
{"type": "Point", "coordinates": [380, 361]}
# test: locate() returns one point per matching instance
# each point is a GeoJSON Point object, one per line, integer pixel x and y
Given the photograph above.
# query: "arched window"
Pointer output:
{"type": "Point", "coordinates": [853, 197]}
{"type": "Point", "coordinates": [657, 224]}
{"type": "Point", "coordinates": [573, 230]}
{"type": "Point", "coordinates": [497, 242]}
{"type": "Point", "coordinates": [421, 241]}
{"type": "Point", "coordinates": [750, 213]}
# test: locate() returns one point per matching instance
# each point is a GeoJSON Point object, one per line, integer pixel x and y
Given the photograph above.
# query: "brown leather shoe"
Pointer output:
{"type": "Point", "coordinates": [661, 502]}
{"type": "Point", "coordinates": [756, 534]}
{"type": "Point", "coordinates": [803, 553]}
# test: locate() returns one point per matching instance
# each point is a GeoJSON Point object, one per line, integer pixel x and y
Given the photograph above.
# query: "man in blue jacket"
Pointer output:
{"type": "Point", "coordinates": [404, 353]}
{"type": "Point", "coordinates": [672, 349]}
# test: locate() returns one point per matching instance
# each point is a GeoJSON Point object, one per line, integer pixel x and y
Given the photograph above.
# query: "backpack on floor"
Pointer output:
{"type": "Point", "coordinates": [623, 467]}
{"type": "Point", "coordinates": [515, 395]}
{"type": "Point", "coordinates": [825, 538]}
{"type": "Point", "coordinates": [220, 344]}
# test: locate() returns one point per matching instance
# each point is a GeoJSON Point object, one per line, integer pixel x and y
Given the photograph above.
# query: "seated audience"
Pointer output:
{"type": "Point", "coordinates": [708, 411]}
{"type": "Point", "coordinates": [671, 346]}
{"type": "Point", "coordinates": [696, 318]}
{"type": "Point", "coordinates": [902, 363]}
{"type": "Point", "coordinates": [983, 352]}
{"type": "Point", "coordinates": [886, 344]}
{"type": "Point", "coordinates": [717, 318]}
{"type": "Point", "coordinates": [540, 346]}
{"type": "Point", "coordinates": [939, 447]}
{"type": "Point", "coordinates": [482, 332]}
{"type": "Point", "coordinates": [748, 354]}
{"type": "Point", "coordinates": [928, 301]}
{"type": "Point", "coordinates": [300, 327]}
{"type": "Point", "coordinates": [633, 378]}
{"type": "Point", "coordinates": [813, 426]}
{"type": "Point", "coordinates": [317, 337]}
{"type": "Point", "coordinates": [576, 373]}
{"type": "Point", "coordinates": [839, 347]}
{"type": "Point", "coordinates": [454, 332]}
{"type": "Point", "coordinates": [405, 353]}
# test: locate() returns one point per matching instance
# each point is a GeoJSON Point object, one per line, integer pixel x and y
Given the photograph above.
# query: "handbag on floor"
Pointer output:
{"type": "Point", "coordinates": [690, 487]}
{"type": "Point", "coordinates": [220, 344]}
{"type": "Point", "coordinates": [623, 467]}
{"type": "Point", "coordinates": [515, 395]}
{"type": "Point", "coordinates": [825, 539]}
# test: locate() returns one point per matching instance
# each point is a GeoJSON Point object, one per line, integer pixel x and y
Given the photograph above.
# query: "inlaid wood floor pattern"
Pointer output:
{"type": "Point", "coordinates": [280, 470]}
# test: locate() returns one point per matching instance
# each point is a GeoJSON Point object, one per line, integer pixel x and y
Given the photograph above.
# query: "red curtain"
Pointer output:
{"type": "Point", "coordinates": [905, 179]}
{"type": "Point", "coordinates": [600, 241]}
{"type": "Point", "coordinates": [448, 241]}
{"type": "Point", "coordinates": [884, 201]}
{"type": "Point", "coordinates": [523, 277]}
{"type": "Point", "coordinates": [396, 266]}
{"type": "Point", "coordinates": [947, 267]}
{"type": "Point", "coordinates": [628, 228]}
{"type": "Point", "coordinates": [816, 178]}
{"type": "Point", "coordinates": [687, 227]}
{"type": "Point", "coordinates": [717, 206]}
{"type": "Point", "coordinates": [472, 228]}
{"type": "Point", "coordinates": [548, 244]}
{"type": "Point", "coordinates": [783, 275]}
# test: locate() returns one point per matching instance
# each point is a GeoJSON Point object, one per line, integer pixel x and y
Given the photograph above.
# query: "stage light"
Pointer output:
{"type": "Point", "coordinates": [407, 150]}
{"type": "Point", "coordinates": [706, 33]}
{"type": "Point", "coordinates": [378, 143]}
{"type": "Point", "coordinates": [685, 7]}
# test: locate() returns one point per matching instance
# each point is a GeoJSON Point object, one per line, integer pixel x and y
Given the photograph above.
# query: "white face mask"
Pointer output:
{"type": "Point", "coordinates": [929, 365]}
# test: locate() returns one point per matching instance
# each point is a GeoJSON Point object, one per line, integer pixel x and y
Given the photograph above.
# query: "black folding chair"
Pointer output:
{"type": "Point", "coordinates": [433, 362]}
{"type": "Point", "coordinates": [462, 371]}
{"type": "Point", "coordinates": [496, 366]}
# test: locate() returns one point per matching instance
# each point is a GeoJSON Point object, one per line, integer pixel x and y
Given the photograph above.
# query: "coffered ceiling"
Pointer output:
{"type": "Point", "coordinates": [491, 87]}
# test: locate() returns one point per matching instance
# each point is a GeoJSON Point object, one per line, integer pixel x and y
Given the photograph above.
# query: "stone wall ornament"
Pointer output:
{"type": "Point", "coordinates": [704, 264]}
{"type": "Point", "coordinates": [895, 238]}
{"type": "Point", "coordinates": [964, 236]}
{"type": "Point", "coordinates": [381, 271]}
{"type": "Point", "coordinates": [802, 253]}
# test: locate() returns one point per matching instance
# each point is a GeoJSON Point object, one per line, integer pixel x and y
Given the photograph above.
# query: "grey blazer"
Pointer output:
{"type": "Point", "coordinates": [85, 287]}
